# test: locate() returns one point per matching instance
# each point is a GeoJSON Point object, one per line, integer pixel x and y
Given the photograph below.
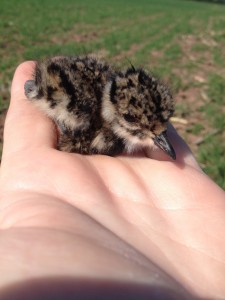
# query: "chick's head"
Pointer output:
{"type": "Point", "coordinates": [138, 108]}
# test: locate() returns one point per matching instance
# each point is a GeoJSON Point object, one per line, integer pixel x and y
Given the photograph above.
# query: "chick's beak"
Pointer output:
{"type": "Point", "coordinates": [163, 143]}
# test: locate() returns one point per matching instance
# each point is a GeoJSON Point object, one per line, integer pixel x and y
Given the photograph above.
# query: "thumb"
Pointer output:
{"type": "Point", "coordinates": [25, 125]}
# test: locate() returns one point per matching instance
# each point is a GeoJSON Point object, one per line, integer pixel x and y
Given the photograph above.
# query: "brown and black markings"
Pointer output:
{"type": "Point", "coordinates": [100, 110]}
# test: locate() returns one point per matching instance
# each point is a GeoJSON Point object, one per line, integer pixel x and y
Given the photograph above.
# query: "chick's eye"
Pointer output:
{"type": "Point", "coordinates": [129, 118]}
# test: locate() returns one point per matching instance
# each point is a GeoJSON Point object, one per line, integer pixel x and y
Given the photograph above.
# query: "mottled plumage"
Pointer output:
{"type": "Point", "coordinates": [100, 110]}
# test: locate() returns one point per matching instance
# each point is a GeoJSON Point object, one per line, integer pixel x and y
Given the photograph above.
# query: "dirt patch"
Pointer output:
{"type": "Point", "coordinates": [129, 53]}
{"type": "Point", "coordinates": [202, 57]}
{"type": "Point", "coordinates": [198, 62]}
{"type": "Point", "coordinates": [81, 33]}
{"type": "Point", "coordinates": [76, 37]}
{"type": "Point", "coordinates": [191, 100]}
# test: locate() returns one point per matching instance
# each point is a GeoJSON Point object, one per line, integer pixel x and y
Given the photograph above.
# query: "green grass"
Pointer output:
{"type": "Point", "coordinates": [177, 39]}
{"type": "Point", "coordinates": [196, 129]}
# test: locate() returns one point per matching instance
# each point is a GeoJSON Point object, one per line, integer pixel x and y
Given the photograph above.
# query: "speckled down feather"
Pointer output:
{"type": "Point", "coordinates": [101, 110]}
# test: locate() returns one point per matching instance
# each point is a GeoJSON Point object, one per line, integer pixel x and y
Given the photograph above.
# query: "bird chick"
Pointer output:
{"type": "Point", "coordinates": [99, 110]}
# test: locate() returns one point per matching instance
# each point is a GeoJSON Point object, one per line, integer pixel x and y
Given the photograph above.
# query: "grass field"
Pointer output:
{"type": "Point", "coordinates": [181, 41]}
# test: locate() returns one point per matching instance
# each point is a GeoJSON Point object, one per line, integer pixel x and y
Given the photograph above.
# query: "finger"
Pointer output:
{"type": "Point", "coordinates": [25, 125]}
{"type": "Point", "coordinates": [184, 156]}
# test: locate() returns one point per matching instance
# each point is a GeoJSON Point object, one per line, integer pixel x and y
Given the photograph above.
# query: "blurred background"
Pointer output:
{"type": "Point", "coordinates": [180, 41]}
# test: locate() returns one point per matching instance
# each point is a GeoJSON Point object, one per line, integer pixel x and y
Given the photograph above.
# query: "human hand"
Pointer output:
{"type": "Point", "coordinates": [124, 220]}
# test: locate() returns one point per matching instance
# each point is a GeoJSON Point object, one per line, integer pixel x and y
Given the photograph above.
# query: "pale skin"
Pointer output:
{"type": "Point", "coordinates": [128, 220]}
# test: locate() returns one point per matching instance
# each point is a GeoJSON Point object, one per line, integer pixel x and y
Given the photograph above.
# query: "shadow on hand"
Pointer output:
{"type": "Point", "coordinates": [69, 288]}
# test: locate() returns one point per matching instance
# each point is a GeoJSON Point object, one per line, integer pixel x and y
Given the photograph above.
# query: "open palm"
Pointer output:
{"type": "Point", "coordinates": [142, 220]}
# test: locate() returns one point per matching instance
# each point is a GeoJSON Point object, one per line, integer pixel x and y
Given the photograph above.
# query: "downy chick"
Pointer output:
{"type": "Point", "coordinates": [99, 110]}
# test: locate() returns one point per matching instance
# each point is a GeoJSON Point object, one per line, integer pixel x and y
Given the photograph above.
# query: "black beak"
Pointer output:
{"type": "Point", "coordinates": [163, 143]}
